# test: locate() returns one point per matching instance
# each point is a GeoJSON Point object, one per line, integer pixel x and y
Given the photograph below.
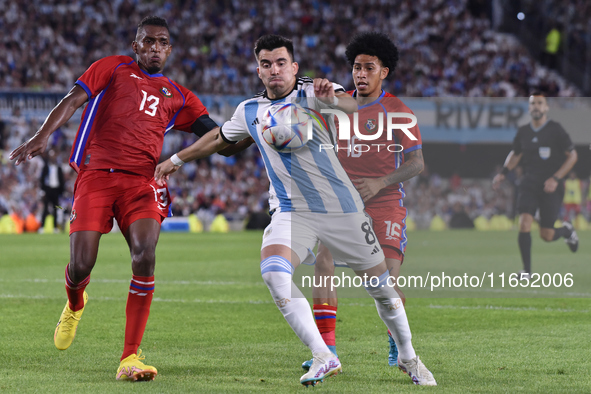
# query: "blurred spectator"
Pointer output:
{"type": "Point", "coordinates": [2, 134]}
{"type": "Point", "coordinates": [460, 218]}
{"type": "Point", "coordinates": [573, 197]}
{"type": "Point", "coordinates": [552, 46]}
{"type": "Point", "coordinates": [52, 184]}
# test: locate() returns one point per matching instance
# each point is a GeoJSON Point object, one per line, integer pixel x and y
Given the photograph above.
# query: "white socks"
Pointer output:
{"type": "Point", "coordinates": [277, 274]}
{"type": "Point", "coordinates": [393, 314]}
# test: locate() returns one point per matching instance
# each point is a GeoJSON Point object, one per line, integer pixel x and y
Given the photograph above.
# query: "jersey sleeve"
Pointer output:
{"type": "Point", "coordinates": [517, 148]}
{"type": "Point", "coordinates": [564, 142]}
{"type": "Point", "coordinates": [97, 77]}
{"type": "Point", "coordinates": [309, 89]}
{"type": "Point", "coordinates": [235, 129]}
{"type": "Point", "coordinates": [194, 116]}
{"type": "Point", "coordinates": [338, 88]}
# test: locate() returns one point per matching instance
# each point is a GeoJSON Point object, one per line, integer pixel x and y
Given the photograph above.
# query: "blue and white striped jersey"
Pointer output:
{"type": "Point", "coordinates": [309, 179]}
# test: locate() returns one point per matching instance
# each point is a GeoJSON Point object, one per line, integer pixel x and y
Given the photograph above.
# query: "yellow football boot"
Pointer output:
{"type": "Point", "coordinates": [132, 368]}
{"type": "Point", "coordinates": [67, 325]}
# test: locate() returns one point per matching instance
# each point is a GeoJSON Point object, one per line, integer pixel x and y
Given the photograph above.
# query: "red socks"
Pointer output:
{"type": "Point", "coordinates": [141, 291]}
{"type": "Point", "coordinates": [75, 292]}
{"type": "Point", "coordinates": [326, 318]}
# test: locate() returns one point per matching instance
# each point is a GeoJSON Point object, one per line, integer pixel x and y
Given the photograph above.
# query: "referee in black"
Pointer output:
{"type": "Point", "coordinates": [547, 155]}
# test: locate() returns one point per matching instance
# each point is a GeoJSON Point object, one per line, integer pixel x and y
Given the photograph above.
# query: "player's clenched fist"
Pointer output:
{"type": "Point", "coordinates": [323, 88]}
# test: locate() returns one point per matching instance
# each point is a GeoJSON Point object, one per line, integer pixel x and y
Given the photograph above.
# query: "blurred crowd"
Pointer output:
{"type": "Point", "coordinates": [237, 186]}
{"type": "Point", "coordinates": [447, 46]}
{"type": "Point", "coordinates": [571, 18]}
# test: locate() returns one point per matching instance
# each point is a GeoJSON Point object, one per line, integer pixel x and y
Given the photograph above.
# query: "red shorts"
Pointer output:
{"type": "Point", "coordinates": [100, 196]}
{"type": "Point", "coordinates": [389, 225]}
{"type": "Point", "coordinates": [573, 207]}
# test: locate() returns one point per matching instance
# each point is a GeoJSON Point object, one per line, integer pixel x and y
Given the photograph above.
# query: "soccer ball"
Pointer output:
{"type": "Point", "coordinates": [285, 127]}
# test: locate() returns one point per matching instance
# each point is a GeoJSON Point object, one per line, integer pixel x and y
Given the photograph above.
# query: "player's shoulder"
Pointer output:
{"type": "Point", "coordinates": [121, 58]}
{"type": "Point", "coordinates": [111, 62]}
{"type": "Point", "coordinates": [554, 125]}
{"type": "Point", "coordinates": [304, 81]}
{"type": "Point", "coordinates": [257, 99]}
{"type": "Point", "coordinates": [184, 90]}
{"type": "Point", "coordinates": [116, 59]}
{"type": "Point", "coordinates": [394, 104]}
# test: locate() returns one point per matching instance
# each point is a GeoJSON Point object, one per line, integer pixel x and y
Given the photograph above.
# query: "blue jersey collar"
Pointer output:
{"type": "Point", "coordinates": [150, 75]}
{"type": "Point", "coordinates": [373, 102]}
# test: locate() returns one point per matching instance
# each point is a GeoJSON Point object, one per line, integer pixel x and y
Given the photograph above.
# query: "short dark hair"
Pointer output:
{"type": "Point", "coordinates": [373, 44]}
{"type": "Point", "coordinates": [153, 20]}
{"type": "Point", "coordinates": [273, 41]}
{"type": "Point", "coordinates": [537, 93]}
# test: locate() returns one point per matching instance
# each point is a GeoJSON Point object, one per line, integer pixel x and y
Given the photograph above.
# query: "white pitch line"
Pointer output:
{"type": "Point", "coordinates": [507, 290]}
{"type": "Point", "coordinates": [156, 299]}
{"type": "Point", "coordinates": [158, 282]}
{"type": "Point", "coordinates": [257, 302]}
{"type": "Point", "coordinates": [508, 308]}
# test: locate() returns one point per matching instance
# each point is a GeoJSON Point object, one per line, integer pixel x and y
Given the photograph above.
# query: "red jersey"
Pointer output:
{"type": "Point", "coordinates": [127, 115]}
{"type": "Point", "coordinates": [376, 158]}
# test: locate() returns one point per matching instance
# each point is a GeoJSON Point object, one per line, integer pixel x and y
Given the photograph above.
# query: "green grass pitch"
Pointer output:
{"type": "Point", "coordinates": [213, 327]}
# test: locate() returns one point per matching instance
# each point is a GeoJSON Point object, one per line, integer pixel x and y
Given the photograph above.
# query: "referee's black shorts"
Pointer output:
{"type": "Point", "coordinates": [532, 196]}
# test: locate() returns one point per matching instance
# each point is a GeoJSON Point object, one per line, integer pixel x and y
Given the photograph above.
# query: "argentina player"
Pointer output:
{"type": "Point", "coordinates": [312, 199]}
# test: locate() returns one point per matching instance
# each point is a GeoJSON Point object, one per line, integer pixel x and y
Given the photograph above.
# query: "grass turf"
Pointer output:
{"type": "Point", "coordinates": [214, 328]}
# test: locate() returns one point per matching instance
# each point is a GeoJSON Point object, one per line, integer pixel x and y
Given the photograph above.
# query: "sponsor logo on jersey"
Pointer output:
{"type": "Point", "coordinates": [535, 139]}
{"type": "Point", "coordinates": [135, 76]}
{"type": "Point", "coordinates": [544, 152]}
{"type": "Point", "coordinates": [255, 122]}
{"type": "Point", "coordinates": [370, 126]}
{"type": "Point", "coordinates": [166, 92]}
{"type": "Point", "coordinates": [73, 216]}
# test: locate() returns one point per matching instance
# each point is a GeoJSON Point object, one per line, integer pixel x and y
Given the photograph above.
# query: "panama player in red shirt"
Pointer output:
{"type": "Point", "coordinates": [131, 106]}
{"type": "Point", "coordinates": [377, 169]}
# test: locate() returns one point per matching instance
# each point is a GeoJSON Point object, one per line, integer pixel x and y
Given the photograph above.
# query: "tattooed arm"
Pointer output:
{"type": "Point", "coordinates": [413, 166]}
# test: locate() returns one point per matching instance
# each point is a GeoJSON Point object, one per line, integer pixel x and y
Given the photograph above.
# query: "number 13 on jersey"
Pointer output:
{"type": "Point", "coordinates": [152, 103]}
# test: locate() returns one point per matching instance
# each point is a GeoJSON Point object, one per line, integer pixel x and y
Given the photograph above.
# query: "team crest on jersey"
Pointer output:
{"type": "Point", "coordinates": [544, 152]}
{"type": "Point", "coordinates": [73, 215]}
{"type": "Point", "coordinates": [370, 125]}
{"type": "Point", "coordinates": [166, 92]}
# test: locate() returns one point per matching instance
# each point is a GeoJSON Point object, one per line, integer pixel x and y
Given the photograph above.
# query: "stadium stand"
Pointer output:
{"type": "Point", "coordinates": [448, 48]}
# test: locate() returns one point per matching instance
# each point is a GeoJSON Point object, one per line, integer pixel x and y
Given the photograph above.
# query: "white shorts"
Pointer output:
{"type": "Point", "coordinates": [348, 236]}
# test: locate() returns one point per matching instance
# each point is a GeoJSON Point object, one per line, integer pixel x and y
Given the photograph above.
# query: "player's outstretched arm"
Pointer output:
{"type": "Point", "coordinates": [237, 147]}
{"type": "Point", "coordinates": [510, 163]}
{"type": "Point", "coordinates": [412, 166]}
{"type": "Point", "coordinates": [207, 145]}
{"type": "Point", "coordinates": [58, 116]}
